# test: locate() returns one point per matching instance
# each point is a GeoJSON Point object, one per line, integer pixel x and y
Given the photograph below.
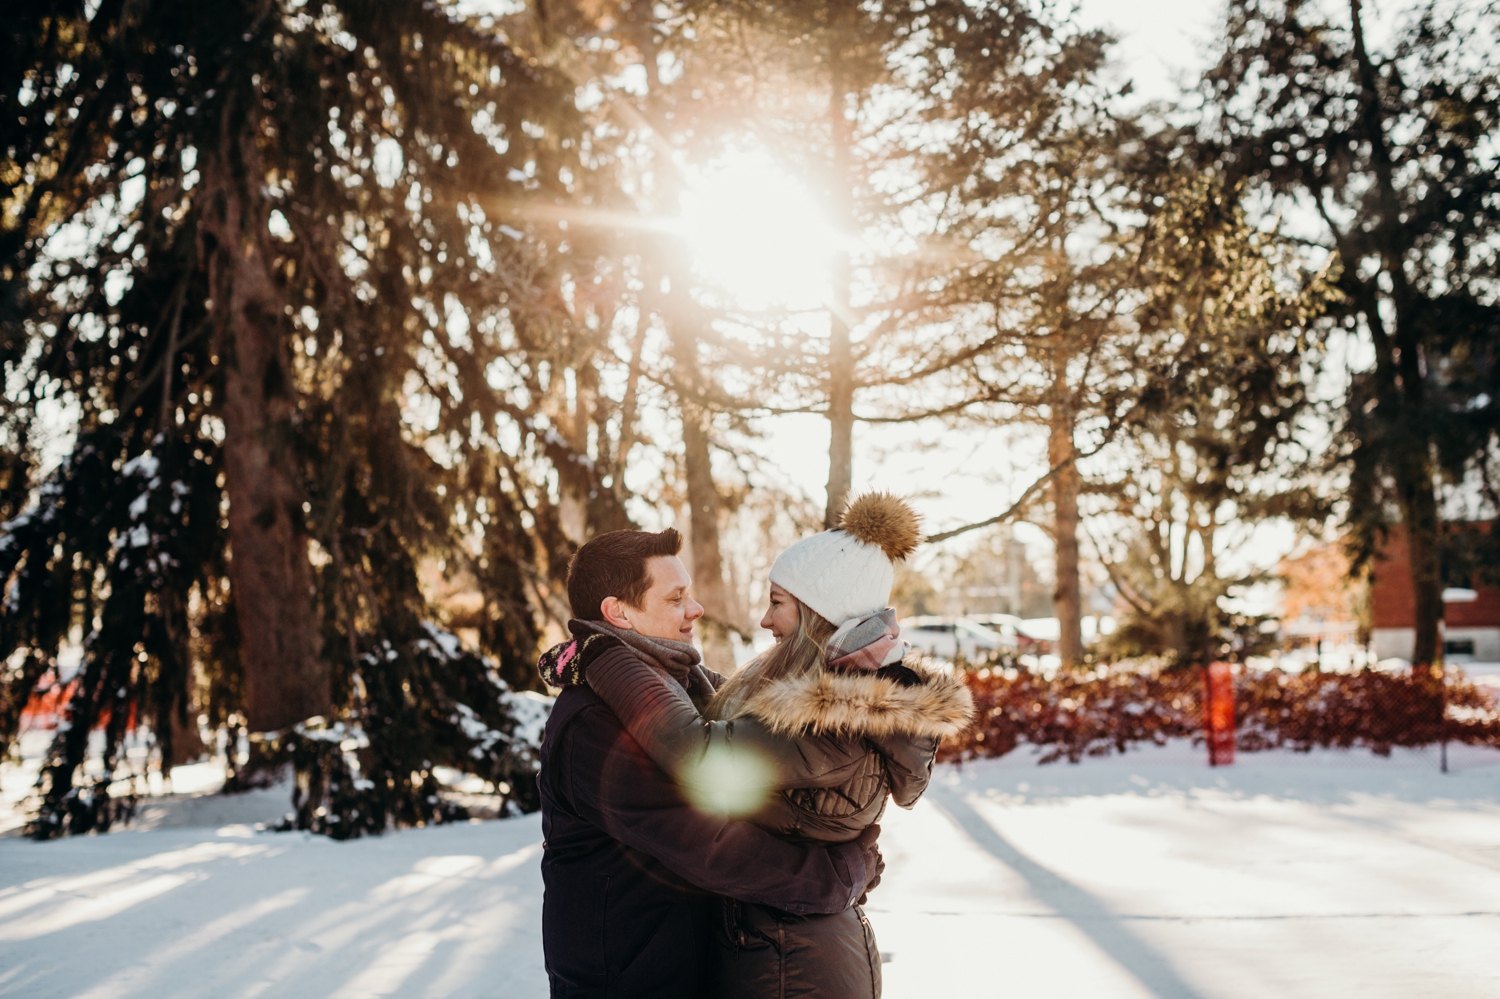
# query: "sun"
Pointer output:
{"type": "Point", "coordinates": [759, 235]}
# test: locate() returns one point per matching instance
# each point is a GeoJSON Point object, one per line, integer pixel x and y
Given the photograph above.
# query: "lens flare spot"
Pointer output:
{"type": "Point", "coordinates": [729, 782]}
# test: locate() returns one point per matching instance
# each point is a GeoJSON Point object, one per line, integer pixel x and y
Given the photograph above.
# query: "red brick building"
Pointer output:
{"type": "Point", "coordinates": [1471, 616]}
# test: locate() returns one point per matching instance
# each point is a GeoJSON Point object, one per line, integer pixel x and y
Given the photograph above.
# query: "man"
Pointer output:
{"type": "Point", "coordinates": [630, 869]}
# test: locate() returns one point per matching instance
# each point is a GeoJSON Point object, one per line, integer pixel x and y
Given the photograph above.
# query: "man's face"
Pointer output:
{"type": "Point", "coordinates": [781, 616]}
{"type": "Point", "coordinates": [667, 610]}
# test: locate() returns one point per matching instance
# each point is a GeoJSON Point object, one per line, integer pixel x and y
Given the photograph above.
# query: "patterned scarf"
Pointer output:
{"type": "Point", "coordinates": [567, 664]}
{"type": "Point", "coordinates": [867, 643]}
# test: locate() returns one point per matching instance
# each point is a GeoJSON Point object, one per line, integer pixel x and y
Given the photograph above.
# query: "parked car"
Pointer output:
{"type": "Point", "coordinates": [1026, 636]}
{"type": "Point", "coordinates": [1038, 635]}
{"type": "Point", "coordinates": [951, 637]}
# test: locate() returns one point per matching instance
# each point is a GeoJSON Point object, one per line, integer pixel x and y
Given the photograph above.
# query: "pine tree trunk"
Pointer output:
{"type": "Point", "coordinates": [680, 318]}
{"type": "Point", "coordinates": [1067, 600]}
{"type": "Point", "coordinates": [1174, 630]}
{"type": "Point", "coordinates": [1414, 481]}
{"type": "Point", "coordinates": [840, 423]}
{"type": "Point", "coordinates": [1423, 547]}
{"type": "Point", "coordinates": [840, 349]}
{"type": "Point", "coordinates": [286, 680]}
{"type": "Point", "coordinates": [1413, 471]}
{"type": "Point", "coordinates": [703, 521]}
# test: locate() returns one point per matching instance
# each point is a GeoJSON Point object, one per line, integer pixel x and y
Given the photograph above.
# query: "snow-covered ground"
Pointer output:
{"type": "Point", "coordinates": [1148, 875]}
{"type": "Point", "coordinates": [1151, 875]}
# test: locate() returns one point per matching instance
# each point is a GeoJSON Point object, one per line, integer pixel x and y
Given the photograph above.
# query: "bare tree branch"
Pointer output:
{"type": "Point", "coordinates": [1009, 512]}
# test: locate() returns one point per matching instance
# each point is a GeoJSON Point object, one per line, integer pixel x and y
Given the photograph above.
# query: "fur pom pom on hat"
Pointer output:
{"type": "Point", "coordinates": [846, 573]}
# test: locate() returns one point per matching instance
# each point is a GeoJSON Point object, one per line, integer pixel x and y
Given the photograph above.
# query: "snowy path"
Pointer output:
{"type": "Point", "coordinates": [176, 913]}
{"type": "Point", "coordinates": [1142, 876]}
{"type": "Point", "coordinates": [1338, 874]}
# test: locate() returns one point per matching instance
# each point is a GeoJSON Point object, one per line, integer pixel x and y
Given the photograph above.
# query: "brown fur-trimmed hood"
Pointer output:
{"type": "Point", "coordinates": [866, 705]}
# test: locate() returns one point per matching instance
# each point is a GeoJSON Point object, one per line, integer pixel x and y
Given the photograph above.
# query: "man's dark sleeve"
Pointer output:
{"type": "Point", "coordinates": [612, 784]}
{"type": "Point", "coordinates": [751, 759]}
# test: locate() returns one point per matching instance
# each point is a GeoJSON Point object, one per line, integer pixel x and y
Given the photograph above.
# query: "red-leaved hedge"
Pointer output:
{"type": "Point", "coordinates": [1107, 709]}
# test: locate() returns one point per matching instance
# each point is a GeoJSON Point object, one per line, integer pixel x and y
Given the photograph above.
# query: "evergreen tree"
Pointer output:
{"type": "Point", "coordinates": [283, 267]}
{"type": "Point", "coordinates": [1216, 439]}
{"type": "Point", "coordinates": [1384, 159]}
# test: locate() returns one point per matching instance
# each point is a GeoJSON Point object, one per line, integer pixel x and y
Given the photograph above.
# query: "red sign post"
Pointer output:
{"type": "Point", "coordinates": [1218, 713]}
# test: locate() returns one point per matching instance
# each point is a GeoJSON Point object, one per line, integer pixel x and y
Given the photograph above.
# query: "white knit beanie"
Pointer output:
{"type": "Point", "coordinates": [846, 573]}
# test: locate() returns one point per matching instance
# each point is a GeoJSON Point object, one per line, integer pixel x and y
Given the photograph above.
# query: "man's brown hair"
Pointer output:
{"type": "Point", "coordinates": [614, 565]}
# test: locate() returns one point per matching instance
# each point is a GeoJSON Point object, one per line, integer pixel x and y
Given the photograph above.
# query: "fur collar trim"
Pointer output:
{"type": "Point", "coordinates": [867, 705]}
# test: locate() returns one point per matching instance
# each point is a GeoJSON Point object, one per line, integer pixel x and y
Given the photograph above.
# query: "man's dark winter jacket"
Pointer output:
{"type": "Point", "coordinates": [629, 866]}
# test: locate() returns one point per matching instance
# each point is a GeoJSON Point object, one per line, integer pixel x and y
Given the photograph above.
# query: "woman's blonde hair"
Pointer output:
{"type": "Point", "coordinates": [799, 654]}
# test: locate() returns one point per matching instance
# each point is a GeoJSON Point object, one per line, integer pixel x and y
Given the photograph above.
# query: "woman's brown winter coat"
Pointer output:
{"type": "Point", "coordinates": [812, 759]}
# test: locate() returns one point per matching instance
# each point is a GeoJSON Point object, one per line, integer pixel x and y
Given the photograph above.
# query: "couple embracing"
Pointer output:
{"type": "Point", "coordinates": [712, 836]}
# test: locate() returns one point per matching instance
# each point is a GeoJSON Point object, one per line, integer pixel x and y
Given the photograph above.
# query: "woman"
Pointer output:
{"type": "Point", "coordinates": [807, 740]}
